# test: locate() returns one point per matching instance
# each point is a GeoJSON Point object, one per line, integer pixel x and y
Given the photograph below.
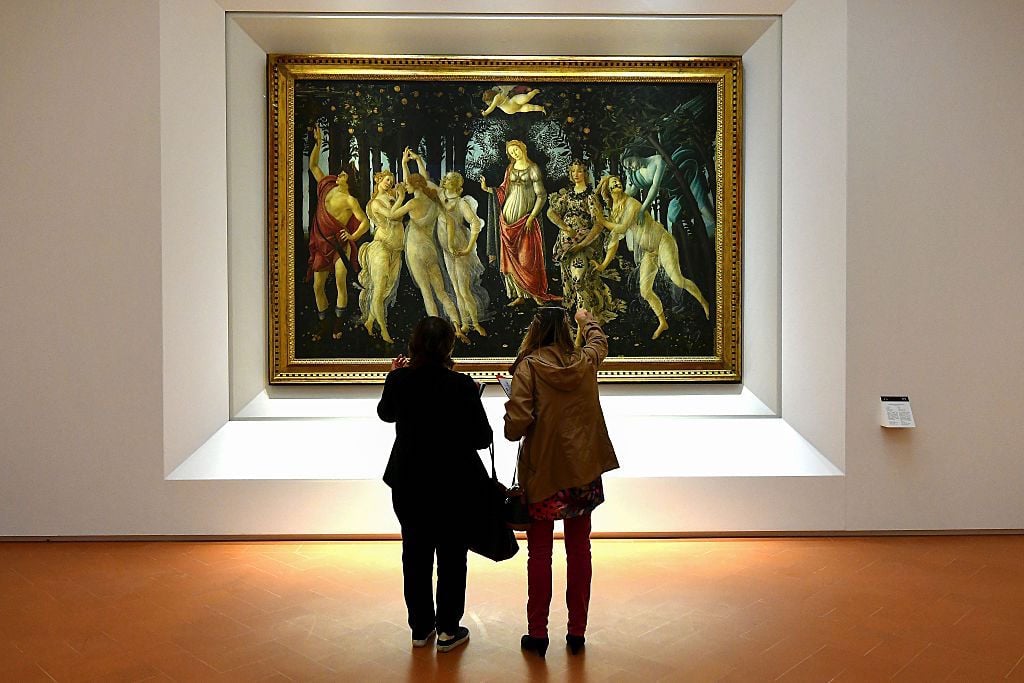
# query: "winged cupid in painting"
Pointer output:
{"type": "Point", "coordinates": [510, 99]}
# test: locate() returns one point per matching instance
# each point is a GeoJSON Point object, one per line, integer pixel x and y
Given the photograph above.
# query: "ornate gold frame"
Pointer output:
{"type": "Point", "coordinates": [284, 70]}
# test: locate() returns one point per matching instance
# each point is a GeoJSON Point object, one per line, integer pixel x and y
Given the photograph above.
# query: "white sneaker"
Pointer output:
{"type": "Point", "coordinates": [421, 642]}
{"type": "Point", "coordinates": [446, 642]}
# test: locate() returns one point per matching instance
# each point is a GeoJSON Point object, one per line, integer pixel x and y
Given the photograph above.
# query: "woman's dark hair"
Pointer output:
{"type": "Point", "coordinates": [550, 325]}
{"type": "Point", "coordinates": [432, 342]}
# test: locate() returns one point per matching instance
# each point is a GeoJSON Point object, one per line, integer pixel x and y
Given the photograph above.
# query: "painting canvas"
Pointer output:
{"type": "Point", "coordinates": [480, 189]}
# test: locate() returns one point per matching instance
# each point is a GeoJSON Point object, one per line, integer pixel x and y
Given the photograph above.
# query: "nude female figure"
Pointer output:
{"type": "Point", "coordinates": [653, 246]}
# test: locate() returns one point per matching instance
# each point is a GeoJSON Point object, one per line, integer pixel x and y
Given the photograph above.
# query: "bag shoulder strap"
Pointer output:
{"type": "Point", "coordinates": [515, 472]}
{"type": "Point", "coordinates": [494, 474]}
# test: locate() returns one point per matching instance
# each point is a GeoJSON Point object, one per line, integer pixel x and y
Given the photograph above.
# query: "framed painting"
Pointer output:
{"type": "Point", "coordinates": [478, 189]}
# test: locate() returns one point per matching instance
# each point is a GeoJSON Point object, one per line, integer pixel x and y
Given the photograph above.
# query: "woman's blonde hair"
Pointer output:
{"type": "Point", "coordinates": [378, 177]}
{"type": "Point", "coordinates": [456, 177]}
{"type": "Point", "coordinates": [550, 326]}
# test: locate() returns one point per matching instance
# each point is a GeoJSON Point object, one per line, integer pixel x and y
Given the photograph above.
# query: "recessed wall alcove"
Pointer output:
{"type": "Point", "coordinates": [767, 454]}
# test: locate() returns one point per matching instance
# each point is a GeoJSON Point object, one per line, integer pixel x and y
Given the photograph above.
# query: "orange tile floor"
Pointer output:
{"type": "Point", "coordinates": [792, 609]}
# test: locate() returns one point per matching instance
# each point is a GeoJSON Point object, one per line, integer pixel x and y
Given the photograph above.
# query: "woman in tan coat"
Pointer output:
{"type": "Point", "coordinates": [554, 404]}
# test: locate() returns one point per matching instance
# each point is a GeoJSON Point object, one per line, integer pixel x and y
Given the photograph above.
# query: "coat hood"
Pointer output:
{"type": "Point", "coordinates": [562, 371]}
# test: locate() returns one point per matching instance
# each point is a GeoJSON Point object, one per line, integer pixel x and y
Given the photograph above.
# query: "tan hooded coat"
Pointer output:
{"type": "Point", "coordinates": [554, 403]}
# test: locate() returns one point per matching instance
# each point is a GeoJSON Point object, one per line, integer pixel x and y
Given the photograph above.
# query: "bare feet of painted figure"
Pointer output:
{"type": "Point", "coordinates": [384, 332]}
{"type": "Point", "coordinates": [477, 327]}
{"type": "Point", "coordinates": [662, 326]}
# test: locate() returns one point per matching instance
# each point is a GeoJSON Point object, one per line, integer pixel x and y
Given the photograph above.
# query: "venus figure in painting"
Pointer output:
{"type": "Point", "coordinates": [381, 259]}
{"type": "Point", "coordinates": [521, 196]}
{"type": "Point", "coordinates": [653, 247]}
{"type": "Point", "coordinates": [501, 97]}
{"type": "Point", "coordinates": [338, 222]}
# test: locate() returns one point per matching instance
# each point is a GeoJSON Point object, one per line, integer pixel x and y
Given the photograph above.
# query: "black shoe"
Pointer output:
{"type": "Point", "coordinates": [575, 643]}
{"type": "Point", "coordinates": [531, 644]}
{"type": "Point", "coordinates": [450, 641]}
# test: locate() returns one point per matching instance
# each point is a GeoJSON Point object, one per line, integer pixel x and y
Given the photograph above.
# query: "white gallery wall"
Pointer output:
{"type": "Point", "coordinates": [934, 238]}
{"type": "Point", "coordinates": [897, 173]}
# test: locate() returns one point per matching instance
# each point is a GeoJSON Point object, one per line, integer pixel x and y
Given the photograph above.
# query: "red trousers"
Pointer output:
{"type": "Point", "coordinates": [539, 538]}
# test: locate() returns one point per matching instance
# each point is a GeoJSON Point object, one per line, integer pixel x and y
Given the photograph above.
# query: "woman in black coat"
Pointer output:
{"type": "Point", "coordinates": [435, 476]}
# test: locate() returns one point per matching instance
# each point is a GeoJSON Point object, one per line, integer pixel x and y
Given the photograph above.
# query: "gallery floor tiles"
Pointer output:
{"type": "Point", "coordinates": [791, 609]}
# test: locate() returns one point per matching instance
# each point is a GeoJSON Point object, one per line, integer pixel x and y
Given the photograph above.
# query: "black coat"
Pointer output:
{"type": "Point", "coordinates": [439, 426]}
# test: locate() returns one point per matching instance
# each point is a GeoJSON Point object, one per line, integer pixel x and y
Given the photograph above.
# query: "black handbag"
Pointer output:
{"type": "Point", "coordinates": [489, 535]}
{"type": "Point", "coordinates": [516, 512]}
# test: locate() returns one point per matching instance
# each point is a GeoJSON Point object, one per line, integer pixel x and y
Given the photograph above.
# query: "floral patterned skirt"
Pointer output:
{"type": "Point", "coordinates": [569, 503]}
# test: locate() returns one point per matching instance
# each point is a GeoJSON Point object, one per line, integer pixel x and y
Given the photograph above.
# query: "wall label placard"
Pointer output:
{"type": "Point", "coordinates": [896, 412]}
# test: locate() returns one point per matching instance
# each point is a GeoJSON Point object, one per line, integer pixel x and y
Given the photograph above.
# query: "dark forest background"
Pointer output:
{"type": "Point", "coordinates": [368, 124]}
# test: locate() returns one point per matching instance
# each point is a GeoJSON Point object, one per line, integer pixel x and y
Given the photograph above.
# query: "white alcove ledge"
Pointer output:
{"type": "Point", "coordinates": [222, 421]}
